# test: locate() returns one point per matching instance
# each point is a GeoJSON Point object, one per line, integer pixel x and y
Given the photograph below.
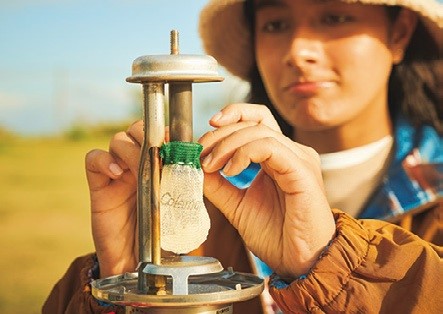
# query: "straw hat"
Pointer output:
{"type": "Point", "coordinates": [226, 36]}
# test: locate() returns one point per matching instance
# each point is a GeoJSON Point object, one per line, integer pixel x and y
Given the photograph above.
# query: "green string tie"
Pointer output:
{"type": "Point", "coordinates": [184, 153]}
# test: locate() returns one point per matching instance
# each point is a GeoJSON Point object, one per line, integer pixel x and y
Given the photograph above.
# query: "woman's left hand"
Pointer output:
{"type": "Point", "coordinates": [283, 217]}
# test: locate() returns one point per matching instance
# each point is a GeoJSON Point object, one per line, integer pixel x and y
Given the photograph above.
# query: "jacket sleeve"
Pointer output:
{"type": "Point", "coordinates": [72, 293]}
{"type": "Point", "coordinates": [370, 267]}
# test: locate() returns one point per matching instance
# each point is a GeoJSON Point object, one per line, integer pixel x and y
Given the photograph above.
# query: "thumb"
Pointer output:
{"type": "Point", "coordinates": [225, 196]}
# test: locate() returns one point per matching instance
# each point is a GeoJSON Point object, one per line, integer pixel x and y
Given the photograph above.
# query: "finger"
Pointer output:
{"type": "Point", "coordinates": [211, 138]}
{"type": "Point", "coordinates": [219, 192]}
{"type": "Point", "coordinates": [101, 168]}
{"type": "Point", "coordinates": [287, 170]}
{"type": "Point", "coordinates": [285, 166]}
{"type": "Point", "coordinates": [223, 149]}
{"type": "Point", "coordinates": [135, 131]}
{"type": "Point", "coordinates": [125, 148]}
{"type": "Point", "coordinates": [244, 112]}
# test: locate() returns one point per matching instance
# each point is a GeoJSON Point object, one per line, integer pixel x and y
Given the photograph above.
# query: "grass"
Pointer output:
{"type": "Point", "coordinates": [44, 216]}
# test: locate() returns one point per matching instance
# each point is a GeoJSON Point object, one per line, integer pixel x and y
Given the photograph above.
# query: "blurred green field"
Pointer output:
{"type": "Point", "coordinates": [44, 216]}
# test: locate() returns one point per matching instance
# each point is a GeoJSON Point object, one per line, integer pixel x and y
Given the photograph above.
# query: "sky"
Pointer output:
{"type": "Point", "coordinates": [64, 62]}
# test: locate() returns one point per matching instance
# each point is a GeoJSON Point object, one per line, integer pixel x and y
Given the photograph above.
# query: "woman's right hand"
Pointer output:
{"type": "Point", "coordinates": [112, 180]}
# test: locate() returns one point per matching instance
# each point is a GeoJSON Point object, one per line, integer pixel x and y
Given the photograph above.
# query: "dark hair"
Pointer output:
{"type": "Point", "coordinates": [414, 87]}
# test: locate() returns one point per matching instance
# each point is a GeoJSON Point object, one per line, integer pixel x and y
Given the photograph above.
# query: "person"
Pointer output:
{"type": "Point", "coordinates": [343, 123]}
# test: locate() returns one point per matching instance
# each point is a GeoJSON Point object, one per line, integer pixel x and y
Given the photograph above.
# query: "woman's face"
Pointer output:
{"type": "Point", "coordinates": [324, 63]}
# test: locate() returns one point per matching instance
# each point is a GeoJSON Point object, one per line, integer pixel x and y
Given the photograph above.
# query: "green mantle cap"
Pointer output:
{"type": "Point", "coordinates": [182, 153]}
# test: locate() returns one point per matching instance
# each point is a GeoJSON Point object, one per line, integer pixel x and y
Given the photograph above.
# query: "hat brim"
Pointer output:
{"type": "Point", "coordinates": [226, 35]}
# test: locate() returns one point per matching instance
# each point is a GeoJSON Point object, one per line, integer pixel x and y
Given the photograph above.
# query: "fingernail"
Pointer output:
{"type": "Point", "coordinates": [217, 116]}
{"type": "Point", "coordinates": [207, 160]}
{"type": "Point", "coordinates": [227, 166]}
{"type": "Point", "coordinates": [115, 169]}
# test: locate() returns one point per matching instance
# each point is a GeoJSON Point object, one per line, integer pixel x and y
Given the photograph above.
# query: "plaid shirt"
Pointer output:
{"type": "Point", "coordinates": [414, 177]}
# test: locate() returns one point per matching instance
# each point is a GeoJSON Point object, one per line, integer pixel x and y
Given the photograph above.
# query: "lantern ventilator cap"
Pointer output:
{"type": "Point", "coordinates": [174, 68]}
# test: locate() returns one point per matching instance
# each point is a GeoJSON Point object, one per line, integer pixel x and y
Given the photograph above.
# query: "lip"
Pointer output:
{"type": "Point", "coordinates": [308, 87]}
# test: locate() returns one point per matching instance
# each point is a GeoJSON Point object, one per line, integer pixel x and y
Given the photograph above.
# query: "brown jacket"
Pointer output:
{"type": "Point", "coordinates": [370, 267]}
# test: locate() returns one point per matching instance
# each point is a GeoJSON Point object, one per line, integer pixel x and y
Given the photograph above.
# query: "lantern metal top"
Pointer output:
{"type": "Point", "coordinates": [174, 68]}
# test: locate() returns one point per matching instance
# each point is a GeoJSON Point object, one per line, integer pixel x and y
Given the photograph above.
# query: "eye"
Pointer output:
{"type": "Point", "coordinates": [336, 19]}
{"type": "Point", "coordinates": [274, 26]}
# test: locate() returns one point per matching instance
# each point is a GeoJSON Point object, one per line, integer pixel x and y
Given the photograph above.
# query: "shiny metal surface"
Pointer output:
{"type": "Point", "coordinates": [208, 309]}
{"type": "Point", "coordinates": [174, 68]}
{"type": "Point", "coordinates": [181, 267]}
{"type": "Point", "coordinates": [225, 287]}
{"type": "Point", "coordinates": [179, 284]}
{"type": "Point", "coordinates": [148, 180]}
{"type": "Point", "coordinates": [180, 112]}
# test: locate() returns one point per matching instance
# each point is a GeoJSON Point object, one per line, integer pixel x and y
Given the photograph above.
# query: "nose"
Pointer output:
{"type": "Point", "coordinates": [304, 49]}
